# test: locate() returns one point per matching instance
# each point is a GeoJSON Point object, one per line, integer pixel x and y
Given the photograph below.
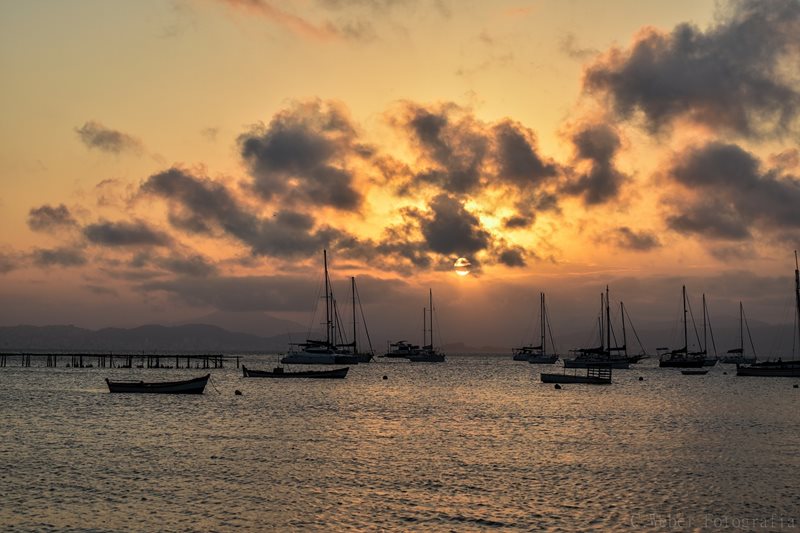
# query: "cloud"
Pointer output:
{"type": "Point", "coordinates": [294, 23]}
{"type": "Point", "coordinates": [513, 257]}
{"type": "Point", "coordinates": [100, 290]}
{"type": "Point", "coordinates": [569, 46]}
{"type": "Point", "coordinates": [738, 75]}
{"type": "Point", "coordinates": [640, 241]}
{"type": "Point", "coordinates": [49, 218]}
{"type": "Point", "coordinates": [733, 193]}
{"type": "Point", "coordinates": [448, 228]}
{"type": "Point", "coordinates": [123, 233]}
{"type": "Point", "coordinates": [65, 257]}
{"type": "Point", "coordinates": [596, 144]}
{"type": "Point", "coordinates": [202, 206]}
{"type": "Point", "coordinates": [191, 265]}
{"type": "Point", "coordinates": [303, 155]}
{"type": "Point", "coordinates": [95, 135]}
{"type": "Point", "coordinates": [9, 261]}
{"type": "Point", "coordinates": [462, 155]}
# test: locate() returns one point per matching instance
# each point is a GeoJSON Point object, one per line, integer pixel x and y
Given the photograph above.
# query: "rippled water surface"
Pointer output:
{"type": "Point", "coordinates": [474, 443]}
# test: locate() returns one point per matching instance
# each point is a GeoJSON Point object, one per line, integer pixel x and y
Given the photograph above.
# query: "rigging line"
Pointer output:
{"type": "Point", "coordinates": [363, 319]}
{"type": "Point", "coordinates": [630, 322]}
{"type": "Point", "coordinates": [549, 329]}
{"type": "Point", "coordinates": [749, 337]}
{"type": "Point", "coordinates": [710, 330]}
{"type": "Point", "coordinates": [694, 325]}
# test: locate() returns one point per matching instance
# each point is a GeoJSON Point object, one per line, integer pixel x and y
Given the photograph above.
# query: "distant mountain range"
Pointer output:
{"type": "Point", "coordinates": [195, 338]}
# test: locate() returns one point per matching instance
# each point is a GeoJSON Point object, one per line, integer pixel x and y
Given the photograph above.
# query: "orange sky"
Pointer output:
{"type": "Point", "coordinates": [162, 161]}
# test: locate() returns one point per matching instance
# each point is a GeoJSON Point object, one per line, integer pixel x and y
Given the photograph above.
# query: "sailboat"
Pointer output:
{"type": "Point", "coordinates": [320, 352]}
{"type": "Point", "coordinates": [351, 348]}
{"type": "Point", "coordinates": [427, 353]}
{"type": "Point", "coordinates": [537, 354]}
{"type": "Point", "coordinates": [682, 357]}
{"type": "Point", "coordinates": [605, 354]}
{"type": "Point", "coordinates": [778, 368]}
{"type": "Point", "coordinates": [736, 355]}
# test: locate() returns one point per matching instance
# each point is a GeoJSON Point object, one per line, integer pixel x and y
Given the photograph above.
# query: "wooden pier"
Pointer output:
{"type": "Point", "coordinates": [120, 360]}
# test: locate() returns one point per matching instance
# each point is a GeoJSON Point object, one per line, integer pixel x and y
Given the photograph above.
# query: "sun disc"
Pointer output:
{"type": "Point", "coordinates": [461, 266]}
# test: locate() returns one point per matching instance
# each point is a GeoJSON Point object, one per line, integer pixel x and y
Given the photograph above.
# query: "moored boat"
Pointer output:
{"type": "Point", "coordinates": [279, 372]}
{"type": "Point", "coordinates": [596, 374]}
{"type": "Point", "coordinates": [320, 352]}
{"type": "Point", "coordinates": [538, 354]}
{"type": "Point", "coordinates": [427, 353]}
{"type": "Point", "coordinates": [694, 372]}
{"type": "Point", "coordinates": [779, 368]}
{"type": "Point", "coordinates": [682, 357]}
{"type": "Point", "coordinates": [188, 386]}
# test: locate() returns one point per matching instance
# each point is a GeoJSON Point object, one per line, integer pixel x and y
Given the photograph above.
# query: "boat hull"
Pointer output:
{"type": "Point", "coordinates": [305, 358]}
{"type": "Point", "coordinates": [694, 372]}
{"type": "Point", "coordinates": [542, 359]}
{"type": "Point", "coordinates": [698, 363]}
{"type": "Point", "coordinates": [578, 363]}
{"type": "Point", "coordinates": [770, 370]}
{"type": "Point", "coordinates": [189, 386]}
{"type": "Point", "coordinates": [566, 378]}
{"type": "Point", "coordinates": [338, 373]}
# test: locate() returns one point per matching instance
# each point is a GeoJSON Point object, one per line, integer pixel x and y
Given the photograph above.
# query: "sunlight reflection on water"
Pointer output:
{"type": "Point", "coordinates": [475, 443]}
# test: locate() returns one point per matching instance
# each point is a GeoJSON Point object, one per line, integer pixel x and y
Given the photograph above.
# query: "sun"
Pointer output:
{"type": "Point", "coordinates": [461, 266]}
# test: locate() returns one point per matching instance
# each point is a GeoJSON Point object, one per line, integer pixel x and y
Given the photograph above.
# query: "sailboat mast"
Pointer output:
{"type": "Point", "coordinates": [741, 329]}
{"type": "Point", "coordinates": [624, 337]}
{"type": "Point", "coordinates": [424, 326]}
{"type": "Point", "coordinates": [327, 300]}
{"type": "Point", "coordinates": [797, 292]}
{"type": "Point", "coordinates": [353, 288]}
{"type": "Point", "coordinates": [430, 301]}
{"type": "Point", "coordinates": [608, 321]}
{"type": "Point", "coordinates": [685, 331]}
{"type": "Point", "coordinates": [542, 324]}
{"type": "Point", "coordinates": [600, 324]}
{"type": "Point", "coordinates": [705, 313]}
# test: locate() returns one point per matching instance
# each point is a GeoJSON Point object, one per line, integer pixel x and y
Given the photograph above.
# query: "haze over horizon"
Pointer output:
{"type": "Point", "coordinates": [163, 161]}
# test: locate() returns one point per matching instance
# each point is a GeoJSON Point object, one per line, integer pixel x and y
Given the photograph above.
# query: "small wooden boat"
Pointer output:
{"type": "Point", "coordinates": [694, 372]}
{"type": "Point", "coordinates": [278, 372]}
{"type": "Point", "coordinates": [596, 374]}
{"type": "Point", "coordinates": [189, 386]}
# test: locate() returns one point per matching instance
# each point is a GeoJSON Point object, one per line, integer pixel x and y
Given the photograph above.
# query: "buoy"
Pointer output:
{"type": "Point", "coordinates": [795, 385]}
{"type": "Point", "coordinates": [237, 392]}
{"type": "Point", "coordinates": [558, 387]}
{"type": "Point", "coordinates": [724, 373]}
{"type": "Point", "coordinates": [385, 377]}
{"type": "Point", "coordinates": [641, 378]}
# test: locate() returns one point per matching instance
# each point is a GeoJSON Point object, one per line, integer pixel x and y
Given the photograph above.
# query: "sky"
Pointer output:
{"type": "Point", "coordinates": [166, 161]}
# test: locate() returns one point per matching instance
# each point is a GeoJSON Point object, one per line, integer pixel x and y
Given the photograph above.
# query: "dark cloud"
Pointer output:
{"type": "Point", "coordinates": [49, 218]}
{"type": "Point", "coordinates": [303, 155]}
{"type": "Point", "coordinates": [518, 222]}
{"type": "Point", "coordinates": [596, 145]}
{"type": "Point", "coordinates": [123, 233]}
{"type": "Point", "coordinates": [95, 135]}
{"type": "Point", "coordinates": [448, 228]}
{"type": "Point", "coordinates": [513, 257]}
{"type": "Point", "coordinates": [191, 265]}
{"type": "Point", "coordinates": [8, 262]}
{"type": "Point", "coordinates": [733, 194]}
{"type": "Point", "coordinates": [65, 257]}
{"type": "Point", "coordinates": [630, 239]}
{"type": "Point", "coordinates": [739, 75]}
{"type": "Point", "coordinates": [460, 154]}
{"type": "Point", "coordinates": [200, 205]}
{"type": "Point", "coordinates": [516, 155]}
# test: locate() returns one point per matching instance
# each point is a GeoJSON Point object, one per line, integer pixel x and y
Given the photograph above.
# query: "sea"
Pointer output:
{"type": "Point", "coordinates": [476, 443]}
